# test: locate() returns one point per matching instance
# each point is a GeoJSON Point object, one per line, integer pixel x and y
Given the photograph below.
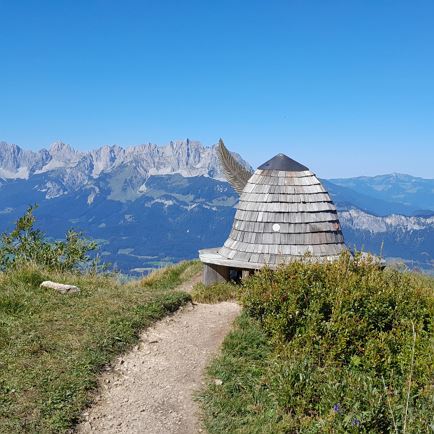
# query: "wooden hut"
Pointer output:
{"type": "Point", "coordinates": [284, 214]}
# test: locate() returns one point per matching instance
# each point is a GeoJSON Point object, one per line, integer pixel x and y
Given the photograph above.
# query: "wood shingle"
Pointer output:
{"type": "Point", "coordinates": [283, 215]}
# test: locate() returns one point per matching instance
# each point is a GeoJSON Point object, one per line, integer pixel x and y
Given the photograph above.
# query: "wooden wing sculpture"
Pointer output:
{"type": "Point", "coordinates": [236, 174]}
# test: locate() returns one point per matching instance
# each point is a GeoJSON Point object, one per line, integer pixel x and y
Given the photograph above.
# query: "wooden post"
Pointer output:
{"type": "Point", "coordinates": [245, 274]}
{"type": "Point", "coordinates": [214, 273]}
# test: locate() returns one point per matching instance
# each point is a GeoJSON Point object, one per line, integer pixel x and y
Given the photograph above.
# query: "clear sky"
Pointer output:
{"type": "Point", "coordinates": [345, 87]}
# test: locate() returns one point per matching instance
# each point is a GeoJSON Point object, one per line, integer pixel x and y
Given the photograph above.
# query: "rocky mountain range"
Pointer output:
{"type": "Point", "coordinates": [189, 158]}
{"type": "Point", "coordinates": [69, 170]}
{"type": "Point", "coordinates": [148, 205]}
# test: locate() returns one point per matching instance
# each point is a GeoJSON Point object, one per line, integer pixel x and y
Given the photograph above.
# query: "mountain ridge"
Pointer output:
{"type": "Point", "coordinates": [61, 169]}
{"type": "Point", "coordinates": [187, 157]}
{"type": "Point", "coordinates": [107, 154]}
{"type": "Point", "coordinates": [141, 201]}
{"type": "Point", "coordinates": [411, 191]}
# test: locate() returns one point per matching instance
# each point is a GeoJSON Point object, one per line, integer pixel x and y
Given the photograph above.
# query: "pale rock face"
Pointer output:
{"type": "Point", "coordinates": [179, 156]}
{"type": "Point", "coordinates": [16, 163]}
{"type": "Point", "coordinates": [60, 155]}
{"type": "Point", "coordinates": [105, 158]}
{"type": "Point", "coordinates": [71, 170]}
{"type": "Point", "coordinates": [360, 220]}
{"type": "Point", "coordinates": [53, 190]}
{"type": "Point", "coordinates": [92, 195]}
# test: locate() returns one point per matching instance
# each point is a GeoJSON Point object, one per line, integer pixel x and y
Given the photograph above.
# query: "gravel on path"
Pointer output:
{"type": "Point", "coordinates": [151, 389]}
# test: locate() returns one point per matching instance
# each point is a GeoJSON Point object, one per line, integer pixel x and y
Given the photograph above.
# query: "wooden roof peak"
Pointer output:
{"type": "Point", "coordinates": [283, 163]}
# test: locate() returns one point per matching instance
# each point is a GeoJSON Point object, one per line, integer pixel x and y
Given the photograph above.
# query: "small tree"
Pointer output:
{"type": "Point", "coordinates": [26, 244]}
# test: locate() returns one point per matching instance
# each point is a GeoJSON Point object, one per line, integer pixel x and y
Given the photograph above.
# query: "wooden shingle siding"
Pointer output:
{"type": "Point", "coordinates": [284, 250]}
{"type": "Point", "coordinates": [282, 216]}
{"type": "Point", "coordinates": [289, 228]}
{"type": "Point", "coordinates": [284, 197]}
{"type": "Point", "coordinates": [283, 239]}
{"type": "Point", "coordinates": [283, 189]}
{"type": "Point", "coordinates": [289, 207]}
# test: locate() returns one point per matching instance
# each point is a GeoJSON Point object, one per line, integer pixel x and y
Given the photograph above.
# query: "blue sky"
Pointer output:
{"type": "Point", "coordinates": [344, 87]}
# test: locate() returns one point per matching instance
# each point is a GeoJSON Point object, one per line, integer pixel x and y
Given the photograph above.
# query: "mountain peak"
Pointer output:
{"type": "Point", "coordinates": [186, 157]}
{"type": "Point", "coordinates": [61, 147]}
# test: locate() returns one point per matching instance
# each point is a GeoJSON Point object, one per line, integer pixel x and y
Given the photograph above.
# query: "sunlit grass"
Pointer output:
{"type": "Point", "coordinates": [53, 346]}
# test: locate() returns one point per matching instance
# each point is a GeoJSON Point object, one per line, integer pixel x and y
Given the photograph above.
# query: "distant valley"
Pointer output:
{"type": "Point", "coordinates": [149, 205]}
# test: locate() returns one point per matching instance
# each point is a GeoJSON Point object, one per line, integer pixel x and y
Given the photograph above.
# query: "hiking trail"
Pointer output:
{"type": "Point", "coordinates": [151, 388]}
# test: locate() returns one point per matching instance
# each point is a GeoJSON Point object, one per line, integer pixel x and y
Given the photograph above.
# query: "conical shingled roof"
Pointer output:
{"type": "Point", "coordinates": [284, 212]}
{"type": "Point", "coordinates": [283, 162]}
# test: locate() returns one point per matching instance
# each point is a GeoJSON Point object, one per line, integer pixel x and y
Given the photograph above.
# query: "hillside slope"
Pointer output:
{"type": "Point", "coordinates": [53, 346]}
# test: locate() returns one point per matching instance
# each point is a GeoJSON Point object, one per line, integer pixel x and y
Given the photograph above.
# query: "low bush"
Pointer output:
{"type": "Point", "coordinates": [351, 349]}
{"type": "Point", "coordinates": [27, 245]}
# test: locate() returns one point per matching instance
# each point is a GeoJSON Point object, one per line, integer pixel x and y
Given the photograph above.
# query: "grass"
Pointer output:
{"type": "Point", "coordinates": [215, 293]}
{"type": "Point", "coordinates": [53, 346]}
{"type": "Point", "coordinates": [164, 278]}
{"type": "Point", "coordinates": [326, 348]}
{"type": "Point", "coordinates": [242, 402]}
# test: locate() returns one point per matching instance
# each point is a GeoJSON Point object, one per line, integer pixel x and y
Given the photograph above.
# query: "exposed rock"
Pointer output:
{"type": "Point", "coordinates": [17, 163]}
{"type": "Point", "coordinates": [361, 220]}
{"type": "Point", "coordinates": [70, 170]}
{"type": "Point", "coordinates": [60, 287]}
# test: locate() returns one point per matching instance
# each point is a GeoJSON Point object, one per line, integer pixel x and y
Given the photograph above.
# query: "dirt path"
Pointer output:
{"type": "Point", "coordinates": [150, 390]}
{"type": "Point", "coordinates": [188, 286]}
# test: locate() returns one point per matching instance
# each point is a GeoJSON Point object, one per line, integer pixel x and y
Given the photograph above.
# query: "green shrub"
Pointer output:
{"type": "Point", "coordinates": [352, 345]}
{"type": "Point", "coordinates": [27, 245]}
